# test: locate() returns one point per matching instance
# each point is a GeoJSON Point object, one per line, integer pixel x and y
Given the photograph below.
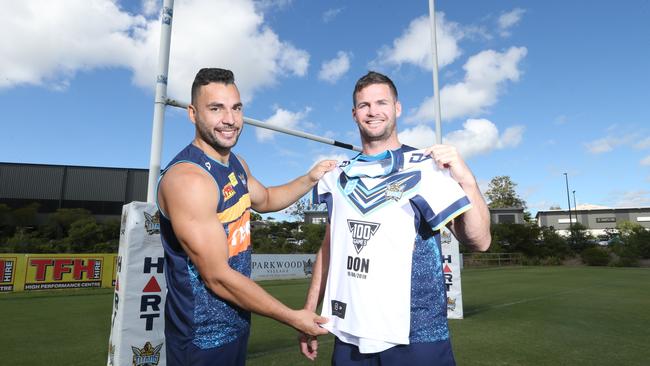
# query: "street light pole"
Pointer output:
{"type": "Point", "coordinates": [575, 205]}
{"type": "Point", "coordinates": [568, 199]}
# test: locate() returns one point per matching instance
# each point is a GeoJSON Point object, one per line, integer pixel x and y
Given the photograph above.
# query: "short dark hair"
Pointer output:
{"type": "Point", "coordinates": [206, 76]}
{"type": "Point", "coordinates": [371, 78]}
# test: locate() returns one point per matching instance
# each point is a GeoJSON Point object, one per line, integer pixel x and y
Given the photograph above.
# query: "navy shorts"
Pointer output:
{"type": "Point", "coordinates": [415, 354]}
{"type": "Point", "coordinates": [233, 353]}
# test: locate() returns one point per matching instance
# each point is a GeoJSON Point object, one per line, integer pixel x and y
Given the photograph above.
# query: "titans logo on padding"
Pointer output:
{"type": "Point", "coordinates": [392, 188]}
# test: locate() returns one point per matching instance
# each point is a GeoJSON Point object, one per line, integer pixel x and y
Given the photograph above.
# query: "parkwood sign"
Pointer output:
{"type": "Point", "coordinates": [281, 266]}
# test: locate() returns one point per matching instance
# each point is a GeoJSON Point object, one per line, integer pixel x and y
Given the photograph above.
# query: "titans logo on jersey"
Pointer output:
{"type": "Point", "coordinates": [366, 199]}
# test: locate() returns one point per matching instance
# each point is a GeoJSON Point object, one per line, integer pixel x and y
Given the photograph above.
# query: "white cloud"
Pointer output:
{"type": "Point", "coordinates": [600, 146]}
{"type": "Point", "coordinates": [608, 143]}
{"type": "Point", "coordinates": [560, 120]}
{"type": "Point", "coordinates": [330, 14]}
{"type": "Point", "coordinates": [281, 118]}
{"type": "Point", "coordinates": [46, 44]}
{"type": "Point", "coordinates": [337, 157]}
{"type": "Point", "coordinates": [332, 70]}
{"type": "Point", "coordinates": [150, 7]}
{"type": "Point", "coordinates": [639, 198]}
{"type": "Point", "coordinates": [643, 144]}
{"type": "Point", "coordinates": [511, 137]}
{"type": "Point", "coordinates": [414, 45]}
{"type": "Point", "coordinates": [420, 136]}
{"type": "Point", "coordinates": [478, 136]}
{"type": "Point", "coordinates": [266, 5]}
{"type": "Point", "coordinates": [645, 161]}
{"type": "Point", "coordinates": [508, 20]}
{"type": "Point", "coordinates": [485, 76]}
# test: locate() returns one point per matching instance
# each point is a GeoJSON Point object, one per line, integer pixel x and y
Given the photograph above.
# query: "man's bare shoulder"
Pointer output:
{"type": "Point", "coordinates": [186, 179]}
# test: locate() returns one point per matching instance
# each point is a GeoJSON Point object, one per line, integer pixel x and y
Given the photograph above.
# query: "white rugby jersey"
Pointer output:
{"type": "Point", "coordinates": [377, 205]}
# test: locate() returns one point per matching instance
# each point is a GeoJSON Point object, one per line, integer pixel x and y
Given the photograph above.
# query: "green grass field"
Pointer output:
{"type": "Point", "coordinates": [513, 316]}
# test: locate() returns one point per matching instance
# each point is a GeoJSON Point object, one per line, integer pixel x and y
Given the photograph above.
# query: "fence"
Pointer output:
{"type": "Point", "coordinates": [491, 259]}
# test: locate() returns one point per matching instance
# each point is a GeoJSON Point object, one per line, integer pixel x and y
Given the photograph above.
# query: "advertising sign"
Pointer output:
{"type": "Point", "coordinates": [137, 321]}
{"type": "Point", "coordinates": [51, 271]}
{"type": "Point", "coordinates": [451, 269]}
{"type": "Point", "coordinates": [281, 266]}
{"type": "Point", "coordinates": [7, 273]}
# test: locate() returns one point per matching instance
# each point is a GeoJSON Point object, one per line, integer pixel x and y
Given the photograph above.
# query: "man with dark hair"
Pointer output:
{"type": "Point", "coordinates": [205, 196]}
{"type": "Point", "coordinates": [379, 270]}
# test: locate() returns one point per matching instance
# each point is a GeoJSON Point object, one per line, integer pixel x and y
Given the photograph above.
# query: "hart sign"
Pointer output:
{"type": "Point", "coordinates": [137, 322]}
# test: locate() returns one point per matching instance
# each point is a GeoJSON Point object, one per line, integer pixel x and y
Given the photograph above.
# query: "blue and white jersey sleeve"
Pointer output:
{"type": "Point", "coordinates": [322, 192]}
{"type": "Point", "coordinates": [441, 199]}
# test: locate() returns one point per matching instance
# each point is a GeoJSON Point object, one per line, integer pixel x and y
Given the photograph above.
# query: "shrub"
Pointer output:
{"type": "Point", "coordinates": [551, 261]}
{"type": "Point", "coordinates": [595, 256]}
{"type": "Point", "coordinates": [626, 262]}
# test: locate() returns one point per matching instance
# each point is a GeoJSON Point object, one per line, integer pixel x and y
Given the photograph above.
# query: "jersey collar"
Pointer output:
{"type": "Point", "coordinates": [373, 166]}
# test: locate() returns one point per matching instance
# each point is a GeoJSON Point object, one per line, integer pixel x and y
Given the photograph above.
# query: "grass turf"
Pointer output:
{"type": "Point", "coordinates": [513, 316]}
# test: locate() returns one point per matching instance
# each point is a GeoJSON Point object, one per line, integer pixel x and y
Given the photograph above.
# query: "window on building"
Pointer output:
{"type": "Point", "coordinates": [318, 220]}
{"type": "Point", "coordinates": [605, 219]}
{"type": "Point", "coordinates": [506, 219]}
{"type": "Point", "coordinates": [566, 221]}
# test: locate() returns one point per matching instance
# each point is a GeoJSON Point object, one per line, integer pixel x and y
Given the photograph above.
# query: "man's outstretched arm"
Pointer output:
{"type": "Point", "coordinates": [270, 199]}
{"type": "Point", "coordinates": [189, 197]}
{"type": "Point", "coordinates": [473, 227]}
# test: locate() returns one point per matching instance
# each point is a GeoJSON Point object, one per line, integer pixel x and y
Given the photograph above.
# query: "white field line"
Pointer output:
{"type": "Point", "coordinates": [531, 299]}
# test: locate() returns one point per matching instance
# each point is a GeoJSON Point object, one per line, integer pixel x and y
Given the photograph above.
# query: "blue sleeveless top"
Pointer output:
{"type": "Point", "coordinates": [193, 313]}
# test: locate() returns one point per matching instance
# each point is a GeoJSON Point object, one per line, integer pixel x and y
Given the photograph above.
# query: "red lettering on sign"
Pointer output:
{"type": "Point", "coordinates": [61, 266]}
{"type": "Point", "coordinates": [79, 268]}
{"type": "Point", "coordinates": [41, 267]}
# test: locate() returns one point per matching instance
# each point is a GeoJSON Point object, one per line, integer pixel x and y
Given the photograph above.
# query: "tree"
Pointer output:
{"type": "Point", "coordinates": [255, 216]}
{"type": "Point", "coordinates": [501, 193]}
{"type": "Point", "coordinates": [632, 244]}
{"type": "Point", "coordinates": [59, 222]}
{"type": "Point", "coordinates": [520, 238]}
{"type": "Point", "coordinates": [25, 216]}
{"type": "Point", "coordinates": [313, 235]}
{"type": "Point", "coordinates": [553, 244]}
{"type": "Point", "coordinates": [581, 239]}
{"type": "Point", "coordinates": [297, 210]}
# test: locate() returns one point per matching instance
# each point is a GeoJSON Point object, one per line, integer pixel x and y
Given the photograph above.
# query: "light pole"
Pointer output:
{"type": "Point", "coordinates": [575, 205]}
{"type": "Point", "coordinates": [568, 199]}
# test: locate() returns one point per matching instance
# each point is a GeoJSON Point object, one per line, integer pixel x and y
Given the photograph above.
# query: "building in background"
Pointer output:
{"type": "Point", "coordinates": [507, 215]}
{"type": "Point", "coordinates": [102, 191]}
{"type": "Point", "coordinates": [597, 219]}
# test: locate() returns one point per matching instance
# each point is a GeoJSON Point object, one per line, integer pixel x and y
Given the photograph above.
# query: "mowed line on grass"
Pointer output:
{"type": "Point", "coordinates": [513, 316]}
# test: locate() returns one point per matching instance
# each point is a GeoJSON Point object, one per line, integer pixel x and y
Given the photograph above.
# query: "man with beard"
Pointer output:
{"type": "Point", "coordinates": [205, 196]}
{"type": "Point", "coordinates": [379, 270]}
